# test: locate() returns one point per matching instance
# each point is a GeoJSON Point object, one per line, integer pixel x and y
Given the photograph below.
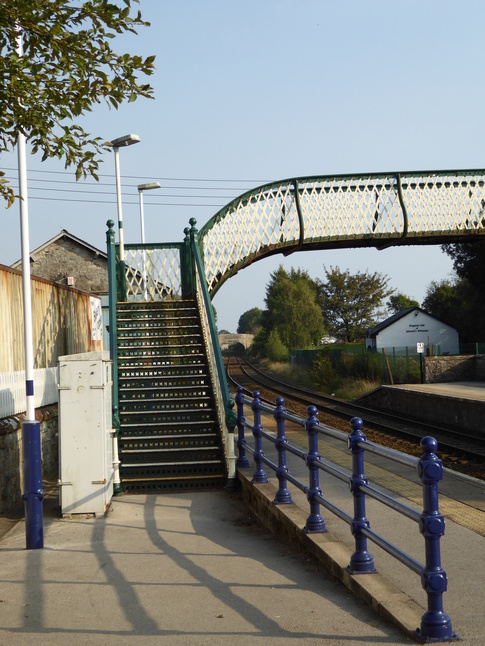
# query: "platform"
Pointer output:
{"type": "Point", "coordinates": [462, 389]}
{"type": "Point", "coordinates": [458, 405]}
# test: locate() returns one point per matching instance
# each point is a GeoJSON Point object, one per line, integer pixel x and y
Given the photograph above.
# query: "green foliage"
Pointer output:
{"type": "Point", "coordinates": [351, 302]}
{"type": "Point", "coordinates": [250, 322]}
{"type": "Point", "coordinates": [292, 308]}
{"type": "Point", "coordinates": [399, 302]}
{"type": "Point", "coordinates": [323, 372]}
{"type": "Point", "coordinates": [258, 346]}
{"type": "Point", "coordinates": [275, 348]}
{"type": "Point", "coordinates": [68, 66]}
{"type": "Point", "coordinates": [466, 291]}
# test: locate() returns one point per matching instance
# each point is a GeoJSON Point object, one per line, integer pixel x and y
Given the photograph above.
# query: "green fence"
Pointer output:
{"type": "Point", "coordinates": [390, 365]}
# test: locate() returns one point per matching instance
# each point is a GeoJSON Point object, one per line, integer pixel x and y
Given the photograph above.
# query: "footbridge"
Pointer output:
{"type": "Point", "coordinates": [171, 403]}
{"type": "Point", "coordinates": [173, 413]}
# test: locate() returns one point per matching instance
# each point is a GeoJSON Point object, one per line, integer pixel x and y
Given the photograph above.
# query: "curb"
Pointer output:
{"type": "Point", "coordinates": [287, 522]}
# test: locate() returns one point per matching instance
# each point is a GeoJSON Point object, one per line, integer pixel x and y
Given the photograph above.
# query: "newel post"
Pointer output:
{"type": "Point", "coordinates": [260, 473]}
{"type": "Point", "coordinates": [283, 496]}
{"type": "Point", "coordinates": [315, 522]}
{"type": "Point", "coordinates": [361, 562]}
{"type": "Point", "coordinates": [242, 461]}
{"type": "Point", "coordinates": [435, 623]}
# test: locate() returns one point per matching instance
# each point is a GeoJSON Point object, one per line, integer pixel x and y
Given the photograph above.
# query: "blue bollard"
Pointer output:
{"type": "Point", "coordinates": [315, 522]}
{"type": "Point", "coordinates": [361, 562]}
{"type": "Point", "coordinates": [242, 461]}
{"type": "Point", "coordinates": [435, 623]}
{"type": "Point", "coordinates": [260, 473]}
{"type": "Point", "coordinates": [283, 496]}
{"type": "Point", "coordinates": [33, 495]}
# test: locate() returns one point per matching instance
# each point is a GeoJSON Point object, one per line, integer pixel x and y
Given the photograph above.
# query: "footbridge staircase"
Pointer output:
{"type": "Point", "coordinates": [172, 409]}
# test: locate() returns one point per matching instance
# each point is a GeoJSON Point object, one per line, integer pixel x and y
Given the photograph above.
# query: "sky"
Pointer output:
{"type": "Point", "coordinates": [253, 91]}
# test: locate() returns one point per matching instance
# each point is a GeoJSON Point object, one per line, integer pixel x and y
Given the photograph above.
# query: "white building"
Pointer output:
{"type": "Point", "coordinates": [410, 327]}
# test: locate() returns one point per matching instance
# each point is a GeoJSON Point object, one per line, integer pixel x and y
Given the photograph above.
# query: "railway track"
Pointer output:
{"type": "Point", "coordinates": [459, 450]}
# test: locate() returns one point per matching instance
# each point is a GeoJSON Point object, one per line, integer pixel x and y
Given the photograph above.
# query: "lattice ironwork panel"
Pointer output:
{"type": "Point", "coordinates": [316, 212]}
{"type": "Point", "coordinates": [153, 273]}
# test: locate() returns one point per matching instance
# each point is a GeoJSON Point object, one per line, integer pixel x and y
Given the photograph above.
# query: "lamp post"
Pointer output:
{"type": "Point", "coordinates": [145, 187]}
{"type": "Point", "coordinates": [33, 494]}
{"type": "Point", "coordinates": [121, 142]}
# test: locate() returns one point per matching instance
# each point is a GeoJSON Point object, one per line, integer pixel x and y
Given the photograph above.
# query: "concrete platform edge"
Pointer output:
{"type": "Point", "coordinates": [287, 522]}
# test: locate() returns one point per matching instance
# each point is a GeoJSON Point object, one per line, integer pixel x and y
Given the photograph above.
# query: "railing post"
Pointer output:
{"type": "Point", "coordinates": [113, 351]}
{"type": "Point", "coordinates": [435, 623]}
{"type": "Point", "coordinates": [242, 460]}
{"type": "Point", "coordinates": [361, 562]}
{"type": "Point", "coordinates": [315, 522]}
{"type": "Point", "coordinates": [283, 496]}
{"type": "Point", "coordinates": [260, 473]}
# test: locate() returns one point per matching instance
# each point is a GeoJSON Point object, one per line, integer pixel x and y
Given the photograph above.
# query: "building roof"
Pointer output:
{"type": "Point", "coordinates": [396, 317]}
{"type": "Point", "coordinates": [63, 234]}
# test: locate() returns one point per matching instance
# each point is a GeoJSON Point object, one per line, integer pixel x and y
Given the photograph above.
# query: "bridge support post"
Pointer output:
{"type": "Point", "coordinates": [315, 522]}
{"type": "Point", "coordinates": [283, 496]}
{"type": "Point", "coordinates": [361, 562]}
{"type": "Point", "coordinates": [260, 473]}
{"type": "Point", "coordinates": [435, 623]}
{"type": "Point", "coordinates": [242, 461]}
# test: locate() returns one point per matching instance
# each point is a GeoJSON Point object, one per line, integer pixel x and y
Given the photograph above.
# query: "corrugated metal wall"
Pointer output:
{"type": "Point", "coordinates": [61, 322]}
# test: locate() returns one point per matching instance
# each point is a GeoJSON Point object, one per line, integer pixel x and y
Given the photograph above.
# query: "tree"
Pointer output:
{"type": "Point", "coordinates": [250, 322]}
{"type": "Point", "coordinates": [292, 309]}
{"type": "Point", "coordinates": [399, 302]}
{"type": "Point", "coordinates": [351, 302]}
{"type": "Point", "coordinates": [67, 68]}
{"type": "Point", "coordinates": [469, 314]}
{"type": "Point", "coordinates": [454, 301]}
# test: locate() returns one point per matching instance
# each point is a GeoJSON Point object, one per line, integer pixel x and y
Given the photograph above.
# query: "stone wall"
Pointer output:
{"type": "Point", "coordinates": [11, 484]}
{"type": "Point", "coordinates": [65, 258]}
{"type": "Point", "coordinates": [454, 368]}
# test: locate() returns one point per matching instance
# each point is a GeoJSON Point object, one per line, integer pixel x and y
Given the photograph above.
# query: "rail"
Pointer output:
{"type": "Point", "coordinates": [435, 623]}
{"type": "Point", "coordinates": [224, 403]}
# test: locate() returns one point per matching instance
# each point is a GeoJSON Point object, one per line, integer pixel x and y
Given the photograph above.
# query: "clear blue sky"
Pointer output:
{"type": "Point", "coordinates": [261, 90]}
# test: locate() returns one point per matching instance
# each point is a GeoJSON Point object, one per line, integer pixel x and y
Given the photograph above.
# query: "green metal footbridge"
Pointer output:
{"type": "Point", "coordinates": [171, 404]}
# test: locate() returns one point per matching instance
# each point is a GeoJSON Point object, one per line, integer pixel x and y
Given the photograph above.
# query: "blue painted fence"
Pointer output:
{"type": "Point", "coordinates": [435, 623]}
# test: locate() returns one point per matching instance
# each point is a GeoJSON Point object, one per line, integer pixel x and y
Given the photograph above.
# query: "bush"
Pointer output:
{"type": "Point", "coordinates": [323, 371]}
{"type": "Point", "coordinates": [276, 350]}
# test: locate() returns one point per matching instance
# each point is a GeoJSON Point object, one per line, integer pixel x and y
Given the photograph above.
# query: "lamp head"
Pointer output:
{"type": "Point", "coordinates": [148, 187]}
{"type": "Point", "coordinates": [127, 140]}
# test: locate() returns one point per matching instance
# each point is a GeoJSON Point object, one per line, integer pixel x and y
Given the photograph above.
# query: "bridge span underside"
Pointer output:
{"type": "Point", "coordinates": [343, 211]}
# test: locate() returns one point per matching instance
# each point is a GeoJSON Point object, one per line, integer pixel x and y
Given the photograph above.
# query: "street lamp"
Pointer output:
{"type": "Point", "coordinates": [121, 142]}
{"type": "Point", "coordinates": [145, 187]}
{"type": "Point", "coordinates": [141, 188]}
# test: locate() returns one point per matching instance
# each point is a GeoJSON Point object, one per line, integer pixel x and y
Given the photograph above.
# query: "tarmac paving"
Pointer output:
{"type": "Point", "coordinates": [180, 568]}
{"type": "Point", "coordinates": [196, 568]}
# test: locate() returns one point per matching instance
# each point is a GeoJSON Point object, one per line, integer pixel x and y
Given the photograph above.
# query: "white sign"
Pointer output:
{"type": "Point", "coordinates": [420, 348]}
{"type": "Point", "coordinates": [96, 319]}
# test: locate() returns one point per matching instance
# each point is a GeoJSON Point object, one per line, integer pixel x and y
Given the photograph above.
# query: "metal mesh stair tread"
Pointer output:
{"type": "Point", "coordinates": [173, 436]}
{"type": "Point", "coordinates": [171, 423]}
{"type": "Point", "coordinates": [175, 449]}
{"type": "Point", "coordinates": [172, 390]}
{"type": "Point", "coordinates": [171, 464]}
{"type": "Point", "coordinates": [169, 430]}
{"type": "Point", "coordinates": [215, 476]}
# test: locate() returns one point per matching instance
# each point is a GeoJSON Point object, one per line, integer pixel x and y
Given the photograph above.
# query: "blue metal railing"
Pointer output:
{"type": "Point", "coordinates": [435, 623]}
